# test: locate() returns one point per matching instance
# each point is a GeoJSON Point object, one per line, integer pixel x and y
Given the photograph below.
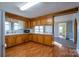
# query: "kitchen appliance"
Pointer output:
{"type": "Point", "coordinates": [26, 31]}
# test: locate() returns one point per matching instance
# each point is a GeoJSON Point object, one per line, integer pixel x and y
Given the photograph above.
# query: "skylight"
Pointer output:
{"type": "Point", "coordinates": [28, 5]}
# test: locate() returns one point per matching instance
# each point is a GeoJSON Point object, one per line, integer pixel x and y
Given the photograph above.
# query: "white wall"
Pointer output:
{"type": "Point", "coordinates": [69, 29]}
{"type": "Point", "coordinates": [77, 17]}
{"type": "Point", "coordinates": [2, 33]}
{"type": "Point", "coordinates": [69, 20]}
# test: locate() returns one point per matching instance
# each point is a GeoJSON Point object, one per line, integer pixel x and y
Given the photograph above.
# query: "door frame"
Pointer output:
{"type": "Point", "coordinates": [75, 33]}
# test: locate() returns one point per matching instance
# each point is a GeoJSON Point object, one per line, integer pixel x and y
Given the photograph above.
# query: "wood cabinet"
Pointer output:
{"type": "Point", "coordinates": [25, 37]}
{"type": "Point", "coordinates": [37, 22]}
{"type": "Point", "coordinates": [12, 40]}
{"type": "Point", "coordinates": [49, 21]}
{"type": "Point", "coordinates": [18, 39]}
{"type": "Point", "coordinates": [33, 23]}
{"type": "Point", "coordinates": [48, 39]}
{"type": "Point", "coordinates": [43, 39]}
{"type": "Point", "coordinates": [46, 21]}
{"type": "Point", "coordinates": [42, 21]}
{"type": "Point", "coordinates": [34, 37]}
{"type": "Point", "coordinates": [40, 39]}
{"type": "Point", "coordinates": [27, 24]}
{"type": "Point", "coordinates": [30, 37]}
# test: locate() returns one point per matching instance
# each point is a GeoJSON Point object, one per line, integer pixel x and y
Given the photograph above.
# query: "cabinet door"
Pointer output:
{"type": "Point", "coordinates": [25, 37]}
{"type": "Point", "coordinates": [40, 38]}
{"type": "Point", "coordinates": [33, 23]}
{"type": "Point", "coordinates": [49, 21]}
{"type": "Point", "coordinates": [6, 41]}
{"type": "Point", "coordinates": [48, 39]}
{"type": "Point", "coordinates": [42, 21]}
{"type": "Point", "coordinates": [25, 24]}
{"type": "Point", "coordinates": [30, 36]}
{"type": "Point", "coordinates": [38, 22]}
{"type": "Point", "coordinates": [31, 26]}
{"type": "Point", "coordinates": [19, 39]}
{"type": "Point", "coordinates": [28, 24]}
{"type": "Point", "coordinates": [10, 41]}
{"type": "Point", "coordinates": [35, 38]}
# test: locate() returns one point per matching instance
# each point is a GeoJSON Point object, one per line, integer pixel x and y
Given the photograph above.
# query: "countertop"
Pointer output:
{"type": "Point", "coordinates": [15, 34]}
{"type": "Point", "coordinates": [28, 33]}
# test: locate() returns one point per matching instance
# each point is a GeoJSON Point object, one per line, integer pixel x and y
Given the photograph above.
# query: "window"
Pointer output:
{"type": "Point", "coordinates": [13, 27]}
{"type": "Point", "coordinates": [36, 29]}
{"type": "Point", "coordinates": [39, 29]}
{"type": "Point", "coordinates": [7, 27]}
{"type": "Point", "coordinates": [17, 26]}
{"type": "Point", "coordinates": [48, 29]}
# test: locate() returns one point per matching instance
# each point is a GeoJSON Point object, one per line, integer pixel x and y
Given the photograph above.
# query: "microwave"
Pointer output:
{"type": "Point", "coordinates": [26, 31]}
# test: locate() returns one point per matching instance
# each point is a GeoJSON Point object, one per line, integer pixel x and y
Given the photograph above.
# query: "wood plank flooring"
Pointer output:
{"type": "Point", "coordinates": [32, 49]}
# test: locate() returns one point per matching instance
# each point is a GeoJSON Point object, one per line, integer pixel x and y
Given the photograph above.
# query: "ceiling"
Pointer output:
{"type": "Point", "coordinates": [40, 9]}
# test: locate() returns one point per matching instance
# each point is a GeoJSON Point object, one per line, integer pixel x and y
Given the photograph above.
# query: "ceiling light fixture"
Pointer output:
{"type": "Point", "coordinates": [28, 5]}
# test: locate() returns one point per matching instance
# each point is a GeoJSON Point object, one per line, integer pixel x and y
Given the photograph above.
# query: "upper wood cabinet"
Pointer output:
{"type": "Point", "coordinates": [27, 24]}
{"type": "Point", "coordinates": [49, 21]}
{"type": "Point", "coordinates": [42, 21]}
{"type": "Point", "coordinates": [33, 23]}
{"type": "Point", "coordinates": [37, 22]}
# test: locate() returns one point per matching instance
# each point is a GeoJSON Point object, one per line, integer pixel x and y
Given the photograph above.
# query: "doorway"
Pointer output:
{"type": "Point", "coordinates": [62, 30]}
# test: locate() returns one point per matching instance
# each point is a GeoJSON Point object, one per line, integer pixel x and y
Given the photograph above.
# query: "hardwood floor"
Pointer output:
{"type": "Point", "coordinates": [32, 49]}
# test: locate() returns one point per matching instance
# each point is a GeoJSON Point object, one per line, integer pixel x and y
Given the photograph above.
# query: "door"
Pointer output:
{"type": "Point", "coordinates": [75, 33]}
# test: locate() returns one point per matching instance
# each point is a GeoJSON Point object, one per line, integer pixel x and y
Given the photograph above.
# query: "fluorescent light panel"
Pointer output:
{"type": "Point", "coordinates": [28, 5]}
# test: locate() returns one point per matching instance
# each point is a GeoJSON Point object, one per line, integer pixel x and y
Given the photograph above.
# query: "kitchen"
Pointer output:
{"type": "Point", "coordinates": [35, 36]}
{"type": "Point", "coordinates": [35, 27]}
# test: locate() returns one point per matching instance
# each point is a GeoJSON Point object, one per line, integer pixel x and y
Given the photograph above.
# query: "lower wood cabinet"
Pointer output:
{"type": "Point", "coordinates": [43, 39]}
{"type": "Point", "coordinates": [34, 38]}
{"type": "Point", "coordinates": [48, 40]}
{"type": "Point", "coordinates": [12, 40]}
{"type": "Point", "coordinates": [25, 37]}
{"type": "Point", "coordinates": [30, 37]}
{"type": "Point", "coordinates": [18, 39]}
{"type": "Point", "coordinates": [40, 39]}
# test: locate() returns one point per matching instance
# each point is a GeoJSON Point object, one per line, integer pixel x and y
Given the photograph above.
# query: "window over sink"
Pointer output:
{"type": "Point", "coordinates": [13, 26]}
